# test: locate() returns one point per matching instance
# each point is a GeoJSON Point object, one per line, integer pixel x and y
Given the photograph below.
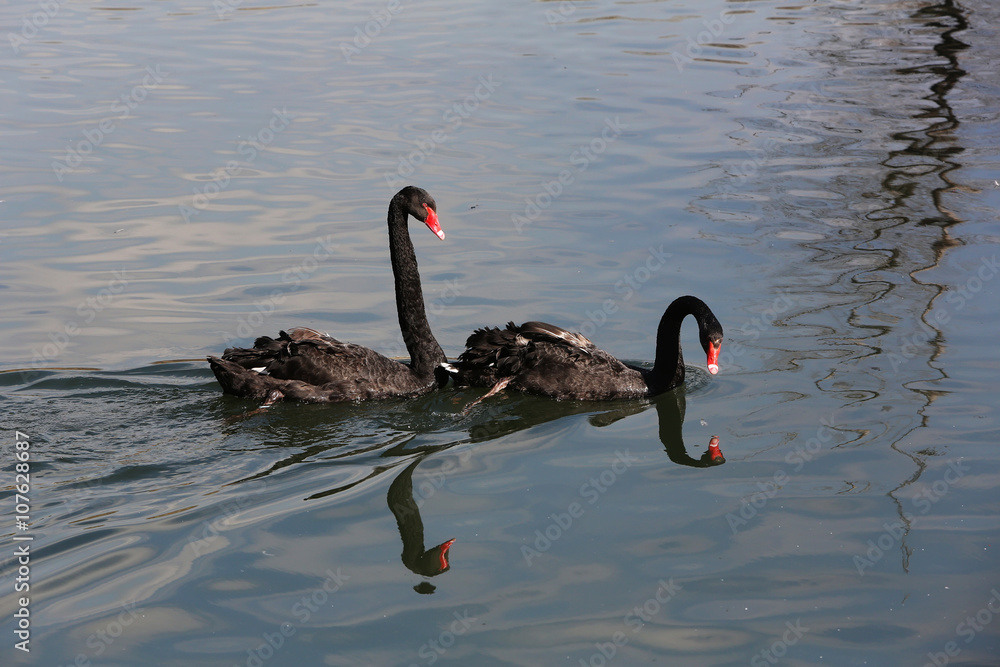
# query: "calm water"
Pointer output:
{"type": "Point", "coordinates": [179, 177]}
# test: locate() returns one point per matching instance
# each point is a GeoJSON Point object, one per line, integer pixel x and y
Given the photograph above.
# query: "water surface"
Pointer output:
{"type": "Point", "coordinates": [180, 178]}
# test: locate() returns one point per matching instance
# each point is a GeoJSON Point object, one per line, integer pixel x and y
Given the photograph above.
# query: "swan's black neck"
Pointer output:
{"type": "Point", "coordinates": [425, 353]}
{"type": "Point", "coordinates": [668, 369]}
{"type": "Point", "coordinates": [425, 562]}
{"type": "Point", "coordinates": [404, 508]}
{"type": "Point", "coordinates": [670, 412]}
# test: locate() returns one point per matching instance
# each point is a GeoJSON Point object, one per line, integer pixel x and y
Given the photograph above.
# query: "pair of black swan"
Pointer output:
{"type": "Point", "coordinates": [306, 365]}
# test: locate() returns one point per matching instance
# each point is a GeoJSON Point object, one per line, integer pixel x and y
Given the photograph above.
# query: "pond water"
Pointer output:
{"type": "Point", "coordinates": [180, 177]}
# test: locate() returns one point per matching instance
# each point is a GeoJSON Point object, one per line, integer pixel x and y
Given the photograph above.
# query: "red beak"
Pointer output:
{"type": "Point", "coordinates": [713, 357]}
{"type": "Point", "coordinates": [432, 222]}
{"type": "Point", "coordinates": [713, 449]}
{"type": "Point", "coordinates": [444, 554]}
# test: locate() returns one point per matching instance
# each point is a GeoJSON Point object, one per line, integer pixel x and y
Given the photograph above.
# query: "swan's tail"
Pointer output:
{"type": "Point", "coordinates": [246, 383]}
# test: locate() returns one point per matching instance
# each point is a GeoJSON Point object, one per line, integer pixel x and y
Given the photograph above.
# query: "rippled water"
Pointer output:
{"type": "Point", "coordinates": [182, 177]}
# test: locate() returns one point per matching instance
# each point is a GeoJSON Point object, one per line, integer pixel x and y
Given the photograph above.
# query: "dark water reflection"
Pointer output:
{"type": "Point", "coordinates": [495, 419]}
{"type": "Point", "coordinates": [822, 174]}
{"type": "Point", "coordinates": [932, 153]}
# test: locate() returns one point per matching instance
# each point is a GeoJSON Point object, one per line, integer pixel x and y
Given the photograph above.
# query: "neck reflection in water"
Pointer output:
{"type": "Point", "coordinates": [486, 423]}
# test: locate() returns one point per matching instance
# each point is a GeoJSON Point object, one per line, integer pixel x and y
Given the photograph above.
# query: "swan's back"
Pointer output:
{"type": "Point", "coordinates": [313, 357]}
{"type": "Point", "coordinates": [545, 359]}
{"type": "Point", "coordinates": [307, 365]}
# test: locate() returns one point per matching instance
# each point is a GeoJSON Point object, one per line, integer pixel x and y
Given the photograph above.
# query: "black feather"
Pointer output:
{"type": "Point", "coordinates": [542, 358]}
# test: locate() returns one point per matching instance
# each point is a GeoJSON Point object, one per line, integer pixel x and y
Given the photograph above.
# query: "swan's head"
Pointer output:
{"type": "Point", "coordinates": [434, 561]}
{"type": "Point", "coordinates": [418, 203]}
{"type": "Point", "coordinates": [709, 329]}
{"type": "Point", "coordinates": [714, 454]}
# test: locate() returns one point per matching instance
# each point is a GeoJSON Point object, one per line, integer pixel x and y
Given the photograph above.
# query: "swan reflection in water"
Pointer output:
{"type": "Point", "coordinates": [431, 562]}
{"type": "Point", "coordinates": [425, 562]}
{"type": "Point", "coordinates": [670, 411]}
{"type": "Point", "coordinates": [488, 422]}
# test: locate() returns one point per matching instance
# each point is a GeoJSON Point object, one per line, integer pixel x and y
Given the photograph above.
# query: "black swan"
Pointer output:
{"type": "Point", "coordinates": [306, 365]}
{"type": "Point", "coordinates": [425, 562]}
{"type": "Point", "coordinates": [544, 359]}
